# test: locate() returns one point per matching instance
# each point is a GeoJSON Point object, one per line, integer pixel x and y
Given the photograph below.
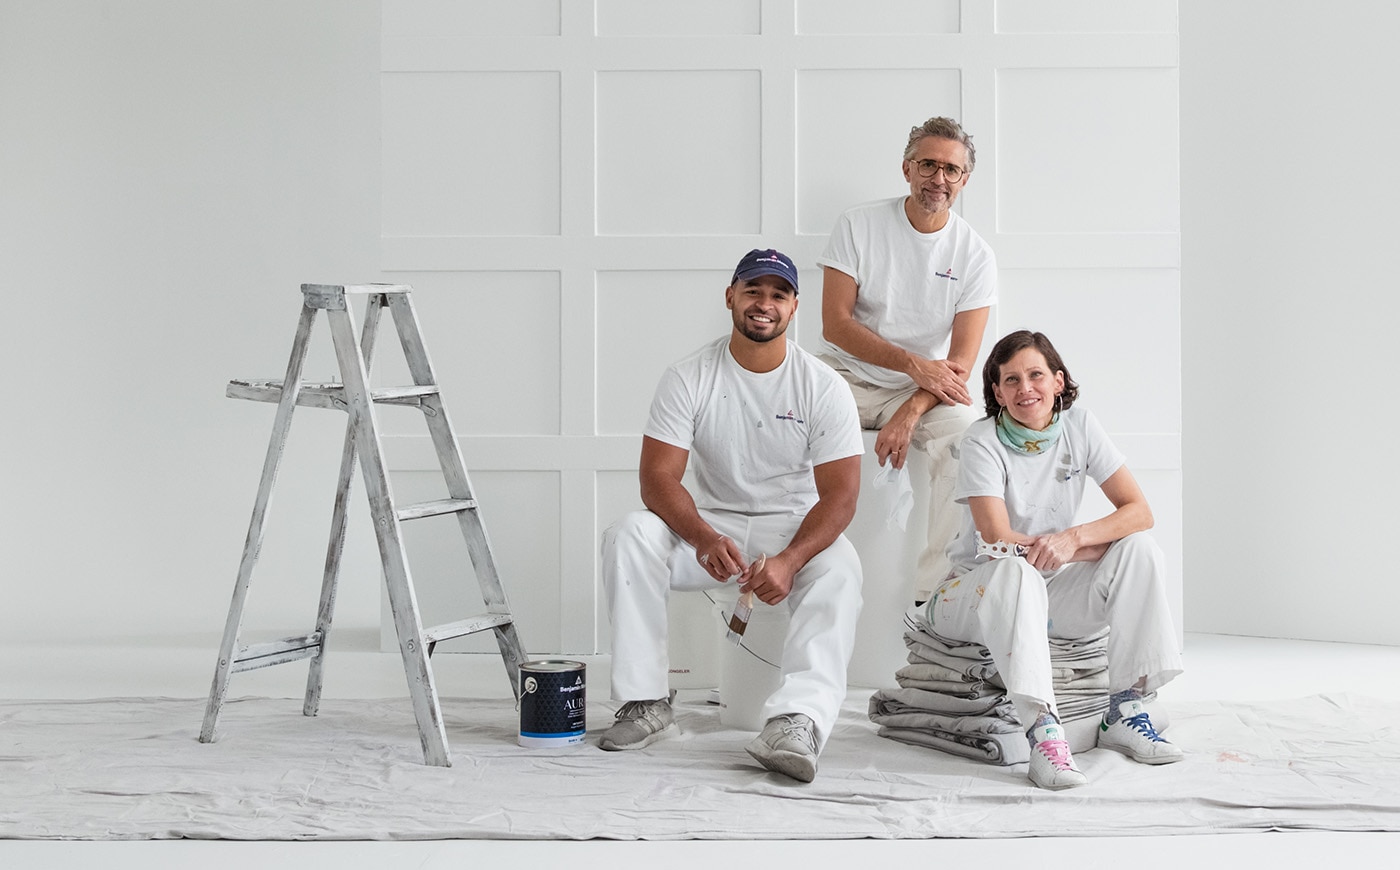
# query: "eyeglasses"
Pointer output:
{"type": "Point", "coordinates": [929, 168]}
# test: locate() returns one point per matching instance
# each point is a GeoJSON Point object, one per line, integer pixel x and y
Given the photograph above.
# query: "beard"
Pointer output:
{"type": "Point", "coordinates": [931, 205]}
{"type": "Point", "coordinates": [749, 331]}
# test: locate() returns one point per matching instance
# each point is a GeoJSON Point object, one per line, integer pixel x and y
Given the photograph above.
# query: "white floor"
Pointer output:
{"type": "Point", "coordinates": [1218, 667]}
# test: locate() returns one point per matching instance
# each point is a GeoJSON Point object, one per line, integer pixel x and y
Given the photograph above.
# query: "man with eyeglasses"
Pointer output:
{"type": "Point", "coordinates": [908, 286]}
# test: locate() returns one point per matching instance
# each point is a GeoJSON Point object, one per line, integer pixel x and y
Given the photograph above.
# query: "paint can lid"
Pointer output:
{"type": "Point", "coordinates": [552, 665]}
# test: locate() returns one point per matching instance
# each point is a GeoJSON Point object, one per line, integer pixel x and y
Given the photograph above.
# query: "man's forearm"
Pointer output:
{"type": "Point", "coordinates": [823, 524]}
{"type": "Point", "coordinates": [671, 501]}
{"type": "Point", "coordinates": [864, 344]}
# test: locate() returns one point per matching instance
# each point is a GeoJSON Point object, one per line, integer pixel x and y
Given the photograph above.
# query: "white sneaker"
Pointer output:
{"type": "Point", "coordinates": [787, 745]}
{"type": "Point", "coordinates": [1134, 736]}
{"type": "Point", "coordinates": [1052, 765]}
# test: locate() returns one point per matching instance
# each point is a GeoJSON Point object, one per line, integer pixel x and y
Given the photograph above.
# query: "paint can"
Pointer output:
{"type": "Point", "coordinates": [553, 699]}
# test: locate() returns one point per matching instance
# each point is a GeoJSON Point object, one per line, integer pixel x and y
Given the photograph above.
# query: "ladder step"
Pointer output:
{"type": "Point", "coordinates": [464, 627]}
{"type": "Point", "coordinates": [435, 508]}
{"type": "Point", "coordinates": [326, 395]}
{"type": "Point", "coordinates": [359, 288]}
{"type": "Point", "coordinates": [277, 652]}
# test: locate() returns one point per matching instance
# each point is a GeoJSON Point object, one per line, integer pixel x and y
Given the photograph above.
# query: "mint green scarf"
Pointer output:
{"type": "Point", "coordinates": [1031, 442]}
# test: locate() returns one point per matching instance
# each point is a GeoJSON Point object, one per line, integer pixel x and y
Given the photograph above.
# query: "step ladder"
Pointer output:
{"type": "Point", "coordinates": [354, 396]}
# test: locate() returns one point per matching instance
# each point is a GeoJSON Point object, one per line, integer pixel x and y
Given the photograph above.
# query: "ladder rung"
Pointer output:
{"type": "Point", "coordinates": [326, 395]}
{"type": "Point", "coordinates": [463, 627]}
{"type": "Point", "coordinates": [435, 508]}
{"type": "Point", "coordinates": [276, 652]}
{"type": "Point", "coordinates": [361, 288]}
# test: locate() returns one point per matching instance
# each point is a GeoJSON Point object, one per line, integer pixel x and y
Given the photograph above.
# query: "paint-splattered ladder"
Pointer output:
{"type": "Point", "coordinates": [355, 396]}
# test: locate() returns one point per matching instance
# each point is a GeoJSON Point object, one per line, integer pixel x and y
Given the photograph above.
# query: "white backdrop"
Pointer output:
{"type": "Point", "coordinates": [569, 185]}
{"type": "Point", "coordinates": [170, 172]}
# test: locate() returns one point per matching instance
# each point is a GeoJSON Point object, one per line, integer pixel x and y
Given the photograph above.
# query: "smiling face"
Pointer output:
{"type": "Point", "coordinates": [935, 195]}
{"type": "Point", "coordinates": [762, 308]}
{"type": "Point", "coordinates": [1026, 388]}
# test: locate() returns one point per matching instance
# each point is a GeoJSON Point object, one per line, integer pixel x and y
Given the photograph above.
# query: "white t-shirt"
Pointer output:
{"type": "Point", "coordinates": [1042, 492]}
{"type": "Point", "coordinates": [911, 284]}
{"type": "Point", "coordinates": [754, 437]}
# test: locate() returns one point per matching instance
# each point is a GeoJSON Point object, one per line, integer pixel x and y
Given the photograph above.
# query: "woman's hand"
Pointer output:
{"type": "Point", "coordinates": [1051, 552]}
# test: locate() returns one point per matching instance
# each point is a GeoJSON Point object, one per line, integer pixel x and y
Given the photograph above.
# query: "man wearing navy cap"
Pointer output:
{"type": "Point", "coordinates": [775, 440]}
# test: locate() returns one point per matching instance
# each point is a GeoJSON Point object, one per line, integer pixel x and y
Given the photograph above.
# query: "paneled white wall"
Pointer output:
{"type": "Point", "coordinates": [568, 184]}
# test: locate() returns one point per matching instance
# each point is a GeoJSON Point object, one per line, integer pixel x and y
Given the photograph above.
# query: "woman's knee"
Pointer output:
{"type": "Point", "coordinates": [1139, 543]}
{"type": "Point", "coordinates": [1008, 581]}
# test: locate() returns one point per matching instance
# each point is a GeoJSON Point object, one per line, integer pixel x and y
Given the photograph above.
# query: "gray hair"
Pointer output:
{"type": "Point", "coordinates": [943, 128]}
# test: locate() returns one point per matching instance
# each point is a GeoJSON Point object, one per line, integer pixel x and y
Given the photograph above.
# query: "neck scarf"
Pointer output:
{"type": "Point", "coordinates": [1031, 442]}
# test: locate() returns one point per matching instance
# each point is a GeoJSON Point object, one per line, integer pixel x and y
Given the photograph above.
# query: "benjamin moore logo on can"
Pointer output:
{"type": "Point", "coordinates": [576, 687]}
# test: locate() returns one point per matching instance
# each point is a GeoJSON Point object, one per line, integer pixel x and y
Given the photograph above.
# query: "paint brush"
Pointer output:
{"type": "Point", "coordinates": [743, 608]}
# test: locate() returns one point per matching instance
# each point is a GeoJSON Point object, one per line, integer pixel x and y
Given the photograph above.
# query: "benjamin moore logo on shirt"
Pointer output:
{"type": "Point", "coordinates": [948, 273]}
{"type": "Point", "coordinates": [790, 416]}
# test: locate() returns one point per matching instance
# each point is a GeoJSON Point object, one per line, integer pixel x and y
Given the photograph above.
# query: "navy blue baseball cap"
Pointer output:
{"type": "Point", "coordinates": [766, 261]}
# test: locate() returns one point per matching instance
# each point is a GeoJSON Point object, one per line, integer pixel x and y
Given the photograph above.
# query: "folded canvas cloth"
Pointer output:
{"type": "Point", "coordinates": [991, 748]}
{"type": "Point", "coordinates": [923, 670]}
{"type": "Point", "coordinates": [950, 696]}
{"type": "Point", "coordinates": [900, 700]}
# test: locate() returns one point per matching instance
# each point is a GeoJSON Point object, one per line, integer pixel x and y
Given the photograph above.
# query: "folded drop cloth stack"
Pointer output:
{"type": "Point", "coordinates": [950, 696]}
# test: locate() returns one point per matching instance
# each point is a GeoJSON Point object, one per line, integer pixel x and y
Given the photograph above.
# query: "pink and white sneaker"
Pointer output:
{"type": "Point", "coordinates": [1052, 765]}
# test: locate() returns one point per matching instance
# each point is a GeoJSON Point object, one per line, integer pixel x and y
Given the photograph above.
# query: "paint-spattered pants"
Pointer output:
{"type": "Point", "coordinates": [1010, 608]}
{"type": "Point", "coordinates": [937, 434]}
{"type": "Point", "coordinates": [643, 561]}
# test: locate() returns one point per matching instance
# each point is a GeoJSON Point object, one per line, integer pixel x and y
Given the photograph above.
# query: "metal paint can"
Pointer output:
{"type": "Point", "coordinates": [553, 701]}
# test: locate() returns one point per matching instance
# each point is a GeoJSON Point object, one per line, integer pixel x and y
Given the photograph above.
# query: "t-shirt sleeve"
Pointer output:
{"type": "Point", "coordinates": [1104, 457]}
{"type": "Point", "coordinates": [981, 471]}
{"type": "Point", "coordinates": [980, 288]}
{"type": "Point", "coordinates": [672, 417]}
{"type": "Point", "coordinates": [840, 252]}
{"type": "Point", "coordinates": [835, 434]}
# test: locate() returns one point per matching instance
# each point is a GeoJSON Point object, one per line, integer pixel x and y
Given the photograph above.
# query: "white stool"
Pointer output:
{"type": "Point", "coordinates": [888, 557]}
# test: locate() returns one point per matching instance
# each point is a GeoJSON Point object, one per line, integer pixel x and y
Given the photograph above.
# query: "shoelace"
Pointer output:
{"type": "Point", "coordinates": [636, 710]}
{"type": "Point", "coordinates": [800, 732]}
{"type": "Point", "coordinates": [1058, 753]}
{"type": "Point", "coordinates": [1143, 725]}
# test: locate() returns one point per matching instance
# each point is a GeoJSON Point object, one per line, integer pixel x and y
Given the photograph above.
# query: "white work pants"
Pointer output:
{"type": "Point", "coordinates": [1009, 607]}
{"type": "Point", "coordinates": [937, 434]}
{"type": "Point", "coordinates": [643, 561]}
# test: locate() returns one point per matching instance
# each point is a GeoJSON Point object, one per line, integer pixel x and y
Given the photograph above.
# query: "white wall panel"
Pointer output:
{"type": "Point", "coordinates": [1119, 332]}
{"type": "Point", "coordinates": [494, 340]}
{"type": "Point", "coordinates": [450, 139]}
{"type": "Point", "coordinates": [1087, 150]}
{"type": "Point", "coordinates": [1086, 16]}
{"type": "Point", "coordinates": [649, 18]}
{"type": "Point", "coordinates": [678, 152]}
{"type": "Point", "coordinates": [646, 321]}
{"type": "Point", "coordinates": [886, 17]}
{"type": "Point", "coordinates": [852, 126]}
